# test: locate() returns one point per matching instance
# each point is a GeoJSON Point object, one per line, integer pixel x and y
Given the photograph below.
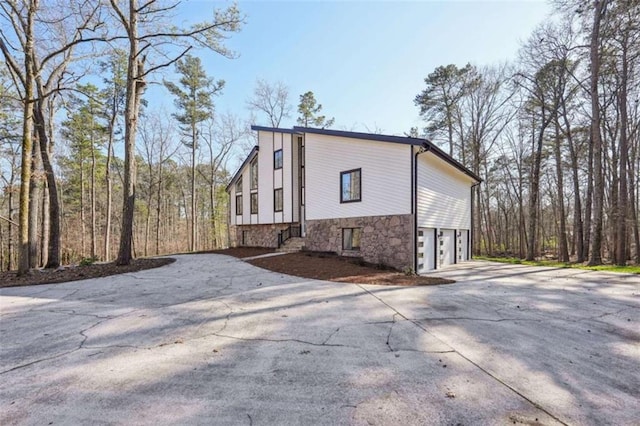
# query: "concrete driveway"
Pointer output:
{"type": "Point", "coordinates": [213, 340]}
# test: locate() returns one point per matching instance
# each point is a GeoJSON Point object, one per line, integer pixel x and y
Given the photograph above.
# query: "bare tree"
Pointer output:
{"type": "Point", "coordinates": [271, 99]}
{"type": "Point", "coordinates": [147, 29]}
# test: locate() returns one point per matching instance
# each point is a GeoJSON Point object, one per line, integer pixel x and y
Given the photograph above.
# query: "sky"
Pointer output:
{"type": "Point", "coordinates": [365, 61]}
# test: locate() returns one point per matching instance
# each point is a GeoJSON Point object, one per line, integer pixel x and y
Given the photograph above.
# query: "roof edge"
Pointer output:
{"type": "Point", "coordinates": [273, 129]}
{"type": "Point", "coordinates": [250, 156]}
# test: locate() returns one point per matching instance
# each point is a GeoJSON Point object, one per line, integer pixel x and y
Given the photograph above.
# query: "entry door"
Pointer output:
{"type": "Point", "coordinates": [447, 247]}
{"type": "Point", "coordinates": [426, 249]}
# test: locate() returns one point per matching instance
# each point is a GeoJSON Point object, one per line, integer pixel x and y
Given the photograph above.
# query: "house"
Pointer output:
{"type": "Point", "coordinates": [393, 200]}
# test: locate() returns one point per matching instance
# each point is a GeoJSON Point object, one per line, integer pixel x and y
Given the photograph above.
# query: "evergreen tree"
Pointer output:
{"type": "Point", "coordinates": [309, 111]}
{"type": "Point", "coordinates": [194, 100]}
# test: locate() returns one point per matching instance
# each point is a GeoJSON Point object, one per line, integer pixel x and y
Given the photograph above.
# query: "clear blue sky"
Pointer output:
{"type": "Point", "coordinates": [364, 60]}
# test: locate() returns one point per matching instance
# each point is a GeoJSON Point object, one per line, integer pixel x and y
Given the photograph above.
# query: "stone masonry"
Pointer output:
{"type": "Point", "coordinates": [385, 239]}
{"type": "Point", "coordinates": [257, 235]}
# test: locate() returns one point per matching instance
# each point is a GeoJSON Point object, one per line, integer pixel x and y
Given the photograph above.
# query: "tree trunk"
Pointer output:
{"type": "Point", "coordinates": [94, 249]}
{"type": "Point", "coordinates": [534, 191]}
{"type": "Point", "coordinates": [34, 204]}
{"type": "Point", "coordinates": [83, 229]}
{"type": "Point", "coordinates": [596, 139]}
{"type": "Point", "coordinates": [578, 226]}
{"type": "Point", "coordinates": [194, 136]}
{"type": "Point", "coordinates": [563, 251]}
{"type": "Point", "coordinates": [135, 87]}
{"type": "Point", "coordinates": [109, 183]}
{"type": "Point", "coordinates": [46, 228]}
{"type": "Point", "coordinates": [53, 246]}
{"type": "Point", "coordinates": [27, 144]}
{"type": "Point", "coordinates": [621, 229]}
{"type": "Point", "coordinates": [158, 206]}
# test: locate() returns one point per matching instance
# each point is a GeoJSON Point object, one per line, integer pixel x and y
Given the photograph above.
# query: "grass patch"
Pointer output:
{"type": "Point", "coordinates": [631, 269]}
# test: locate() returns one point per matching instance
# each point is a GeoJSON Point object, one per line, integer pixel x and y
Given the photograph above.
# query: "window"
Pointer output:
{"type": "Point", "coordinates": [254, 173]}
{"type": "Point", "coordinates": [254, 203]}
{"type": "Point", "coordinates": [350, 186]}
{"type": "Point", "coordinates": [239, 185]}
{"type": "Point", "coordinates": [238, 204]}
{"type": "Point", "coordinates": [277, 159]}
{"type": "Point", "coordinates": [351, 238]}
{"type": "Point", "coordinates": [277, 200]}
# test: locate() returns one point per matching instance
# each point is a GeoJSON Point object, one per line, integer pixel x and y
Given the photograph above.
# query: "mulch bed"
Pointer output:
{"type": "Point", "coordinates": [331, 267]}
{"type": "Point", "coordinates": [74, 273]}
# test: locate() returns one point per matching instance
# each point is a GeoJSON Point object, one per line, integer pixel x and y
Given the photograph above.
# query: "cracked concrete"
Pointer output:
{"type": "Point", "coordinates": [213, 340]}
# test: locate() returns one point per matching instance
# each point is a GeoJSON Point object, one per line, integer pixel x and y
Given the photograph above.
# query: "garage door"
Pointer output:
{"type": "Point", "coordinates": [426, 249]}
{"type": "Point", "coordinates": [447, 246]}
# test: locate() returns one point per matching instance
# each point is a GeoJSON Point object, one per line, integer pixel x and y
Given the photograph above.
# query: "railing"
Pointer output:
{"type": "Point", "coordinates": [291, 232]}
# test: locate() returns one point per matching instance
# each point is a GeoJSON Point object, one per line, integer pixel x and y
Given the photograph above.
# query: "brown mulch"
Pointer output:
{"type": "Point", "coordinates": [331, 267]}
{"type": "Point", "coordinates": [74, 273]}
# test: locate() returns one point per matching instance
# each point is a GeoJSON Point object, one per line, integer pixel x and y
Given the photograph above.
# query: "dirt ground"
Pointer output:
{"type": "Point", "coordinates": [75, 272]}
{"type": "Point", "coordinates": [321, 266]}
{"type": "Point", "coordinates": [331, 267]}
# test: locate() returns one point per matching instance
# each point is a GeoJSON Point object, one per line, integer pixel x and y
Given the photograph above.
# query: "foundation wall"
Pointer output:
{"type": "Point", "coordinates": [256, 235]}
{"type": "Point", "coordinates": [385, 239]}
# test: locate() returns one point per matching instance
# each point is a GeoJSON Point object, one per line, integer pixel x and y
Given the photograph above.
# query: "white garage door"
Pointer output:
{"type": "Point", "coordinates": [447, 245]}
{"type": "Point", "coordinates": [426, 249]}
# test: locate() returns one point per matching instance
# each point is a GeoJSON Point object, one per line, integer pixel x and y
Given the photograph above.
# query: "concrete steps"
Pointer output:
{"type": "Point", "coordinates": [292, 245]}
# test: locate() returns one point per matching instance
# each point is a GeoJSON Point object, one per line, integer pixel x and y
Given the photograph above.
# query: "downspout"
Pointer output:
{"type": "Point", "coordinates": [425, 147]}
{"type": "Point", "coordinates": [471, 239]}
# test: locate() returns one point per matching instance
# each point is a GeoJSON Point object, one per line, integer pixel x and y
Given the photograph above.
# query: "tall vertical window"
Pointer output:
{"type": "Point", "coordinates": [239, 185]}
{"type": "Point", "coordinates": [277, 200]}
{"type": "Point", "coordinates": [254, 203]}
{"type": "Point", "coordinates": [277, 159]}
{"type": "Point", "coordinates": [238, 204]}
{"type": "Point", "coordinates": [350, 186]}
{"type": "Point", "coordinates": [351, 238]}
{"type": "Point", "coordinates": [254, 173]}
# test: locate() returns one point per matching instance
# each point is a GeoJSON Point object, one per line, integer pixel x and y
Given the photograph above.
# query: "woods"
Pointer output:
{"type": "Point", "coordinates": [554, 134]}
{"type": "Point", "coordinates": [90, 170]}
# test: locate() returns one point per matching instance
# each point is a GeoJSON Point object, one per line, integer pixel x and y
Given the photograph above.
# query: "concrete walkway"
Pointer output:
{"type": "Point", "coordinates": [213, 340]}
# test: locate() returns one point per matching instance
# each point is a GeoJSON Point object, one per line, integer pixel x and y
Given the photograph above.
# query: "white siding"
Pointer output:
{"type": "Point", "coordinates": [444, 194]}
{"type": "Point", "coordinates": [232, 206]}
{"type": "Point", "coordinates": [287, 172]}
{"type": "Point", "coordinates": [386, 177]}
{"type": "Point", "coordinates": [266, 142]}
{"type": "Point", "coordinates": [246, 217]}
{"type": "Point", "coordinates": [296, 187]}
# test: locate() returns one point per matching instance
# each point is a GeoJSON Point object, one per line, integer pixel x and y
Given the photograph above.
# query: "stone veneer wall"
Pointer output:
{"type": "Point", "coordinates": [257, 235]}
{"type": "Point", "coordinates": [385, 239]}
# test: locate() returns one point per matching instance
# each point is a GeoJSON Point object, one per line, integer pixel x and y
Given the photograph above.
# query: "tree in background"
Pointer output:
{"type": "Point", "coordinates": [147, 28]}
{"type": "Point", "coordinates": [309, 111]}
{"type": "Point", "coordinates": [194, 100]}
{"type": "Point", "coordinates": [439, 101]}
{"type": "Point", "coordinates": [271, 99]}
{"type": "Point", "coordinates": [86, 131]}
{"type": "Point", "coordinates": [115, 68]}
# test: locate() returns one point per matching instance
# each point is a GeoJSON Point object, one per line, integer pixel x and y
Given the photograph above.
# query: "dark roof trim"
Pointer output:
{"type": "Point", "coordinates": [252, 154]}
{"type": "Point", "coordinates": [393, 139]}
{"type": "Point", "coordinates": [273, 129]}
